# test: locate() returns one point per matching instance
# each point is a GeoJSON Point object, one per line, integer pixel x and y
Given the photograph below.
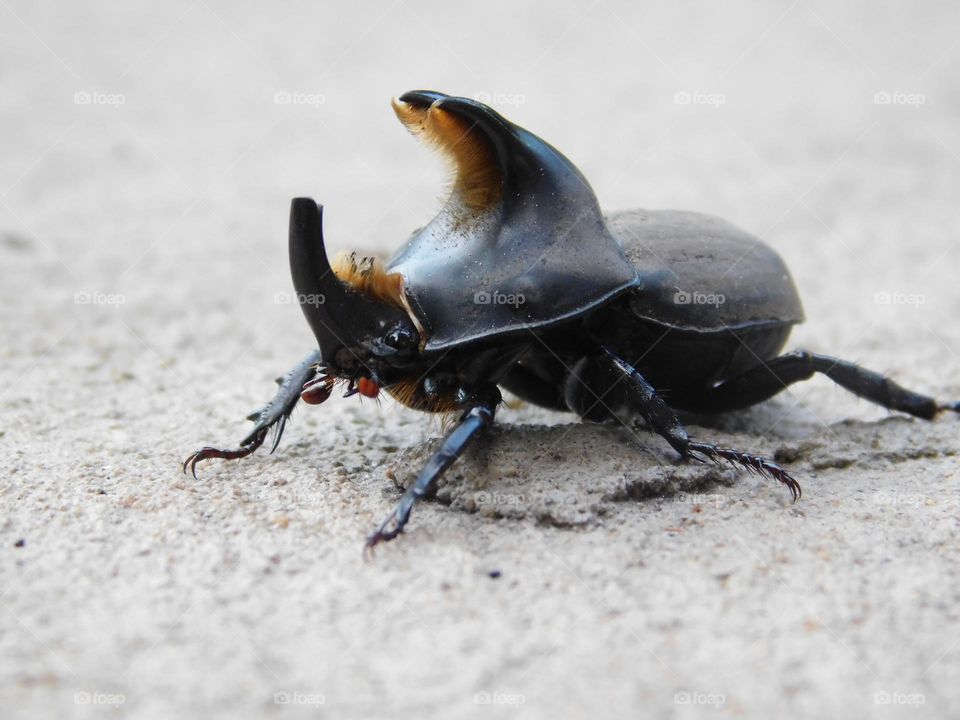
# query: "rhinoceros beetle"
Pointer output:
{"type": "Point", "coordinates": [522, 283]}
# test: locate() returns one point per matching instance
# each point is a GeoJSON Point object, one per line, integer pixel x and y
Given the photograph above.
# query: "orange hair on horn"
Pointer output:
{"type": "Point", "coordinates": [478, 176]}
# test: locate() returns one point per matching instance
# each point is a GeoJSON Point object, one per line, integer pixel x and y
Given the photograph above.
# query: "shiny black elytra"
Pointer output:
{"type": "Point", "coordinates": [522, 283]}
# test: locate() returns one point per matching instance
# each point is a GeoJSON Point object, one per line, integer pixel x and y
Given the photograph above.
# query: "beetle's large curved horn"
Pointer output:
{"type": "Point", "coordinates": [495, 160]}
{"type": "Point", "coordinates": [521, 222]}
{"type": "Point", "coordinates": [340, 317]}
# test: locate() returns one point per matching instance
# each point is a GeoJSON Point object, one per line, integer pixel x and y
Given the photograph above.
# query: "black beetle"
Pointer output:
{"type": "Point", "coordinates": [521, 282]}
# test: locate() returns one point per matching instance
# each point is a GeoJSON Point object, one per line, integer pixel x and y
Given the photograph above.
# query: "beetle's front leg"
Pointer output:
{"type": "Point", "coordinates": [663, 420]}
{"type": "Point", "coordinates": [273, 414]}
{"type": "Point", "coordinates": [479, 409]}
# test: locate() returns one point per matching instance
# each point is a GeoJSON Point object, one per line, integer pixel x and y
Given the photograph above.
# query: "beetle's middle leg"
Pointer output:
{"type": "Point", "coordinates": [664, 422]}
{"type": "Point", "coordinates": [273, 414]}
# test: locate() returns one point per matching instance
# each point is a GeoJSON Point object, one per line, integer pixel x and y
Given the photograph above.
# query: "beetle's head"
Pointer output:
{"type": "Point", "coordinates": [359, 336]}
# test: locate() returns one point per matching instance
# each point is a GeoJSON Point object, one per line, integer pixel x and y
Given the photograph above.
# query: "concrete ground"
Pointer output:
{"type": "Point", "coordinates": [149, 152]}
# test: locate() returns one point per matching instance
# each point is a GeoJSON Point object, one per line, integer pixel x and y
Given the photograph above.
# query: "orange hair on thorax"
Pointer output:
{"type": "Point", "coordinates": [370, 277]}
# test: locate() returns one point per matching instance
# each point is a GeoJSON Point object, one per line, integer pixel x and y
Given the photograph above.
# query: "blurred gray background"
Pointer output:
{"type": "Point", "coordinates": [149, 153]}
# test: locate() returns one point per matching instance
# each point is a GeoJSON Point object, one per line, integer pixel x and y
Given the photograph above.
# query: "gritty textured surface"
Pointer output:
{"type": "Point", "coordinates": [579, 570]}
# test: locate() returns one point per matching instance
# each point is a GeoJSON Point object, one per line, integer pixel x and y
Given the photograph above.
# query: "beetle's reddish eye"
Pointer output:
{"type": "Point", "coordinates": [367, 387]}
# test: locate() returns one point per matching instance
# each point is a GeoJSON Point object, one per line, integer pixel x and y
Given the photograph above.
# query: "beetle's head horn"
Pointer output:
{"type": "Point", "coordinates": [350, 327]}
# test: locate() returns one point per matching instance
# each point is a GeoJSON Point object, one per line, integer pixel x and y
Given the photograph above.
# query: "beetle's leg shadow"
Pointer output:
{"type": "Point", "coordinates": [273, 415]}
{"type": "Point", "coordinates": [662, 419]}
{"type": "Point", "coordinates": [478, 415]}
{"type": "Point", "coordinates": [771, 377]}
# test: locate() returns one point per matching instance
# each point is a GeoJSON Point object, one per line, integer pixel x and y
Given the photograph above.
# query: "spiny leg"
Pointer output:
{"type": "Point", "coordinates": [664, 422]}
{"type": "Point", "coordinates": [478, 414]}
{"type": "Point", "coordinates": [773, 376]}
{"type": "Point", "coordinates": [273, 414]}
{"type": "Point", "coordinates": [753, 463]}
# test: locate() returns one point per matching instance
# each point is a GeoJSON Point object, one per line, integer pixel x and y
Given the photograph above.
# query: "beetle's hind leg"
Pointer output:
{"type": "Point", "coordinates": [273, 415]}
{"type": "Point", "coordinates": [773, 376]}
{"type": "Point", "coordinates": [480, 408]}
{"type": "Point", "coordinates": [665, 423]}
